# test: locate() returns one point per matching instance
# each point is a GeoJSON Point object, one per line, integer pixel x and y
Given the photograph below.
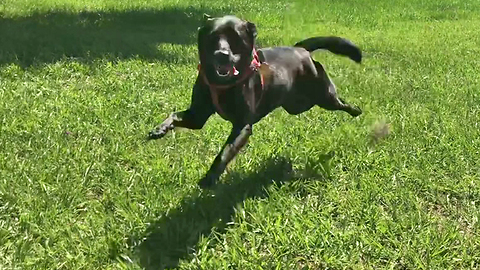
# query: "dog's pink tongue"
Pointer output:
{"type": "Point", "coordinates": [235, 71]}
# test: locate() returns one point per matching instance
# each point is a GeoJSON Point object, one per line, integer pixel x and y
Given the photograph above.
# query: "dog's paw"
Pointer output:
{"type": "Point", "coordinates": [155, 134]}
{"type": "Point", "coordinates": [208, 181]}
{"type": "Point", "coordinates": [158, 132]}
{"type": "Point", "coordinates": [355, 111]}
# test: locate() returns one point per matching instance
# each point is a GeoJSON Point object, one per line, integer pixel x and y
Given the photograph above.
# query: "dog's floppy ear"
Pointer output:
{"type": "Point", "coordinates": [252, 30]}
{"type": "Point", "coordinates": [206, 18]}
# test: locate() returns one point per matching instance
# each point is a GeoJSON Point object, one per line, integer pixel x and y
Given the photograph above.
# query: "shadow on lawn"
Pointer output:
{"type": "Point", "coordinates": [175, 235]}
{"type": "Point", "coordinates": [48, 37]}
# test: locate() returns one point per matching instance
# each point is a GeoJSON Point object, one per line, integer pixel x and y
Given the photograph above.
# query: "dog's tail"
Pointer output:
{"type": "Point", "coordinates": [336, 45]}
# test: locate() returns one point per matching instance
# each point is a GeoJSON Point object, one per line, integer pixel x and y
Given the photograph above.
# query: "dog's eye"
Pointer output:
{"type": "Point", "coordinates": [236, 42]}
{"type": "Point", "coordinates": [213, 41]}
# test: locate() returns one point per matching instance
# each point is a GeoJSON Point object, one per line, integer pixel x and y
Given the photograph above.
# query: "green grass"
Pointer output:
{"type": "Point", "coordinates": [81, 84]}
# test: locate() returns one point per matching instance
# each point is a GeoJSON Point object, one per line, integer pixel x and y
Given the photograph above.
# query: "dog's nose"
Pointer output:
{"type": "Point", "coordinates": [222, 56]}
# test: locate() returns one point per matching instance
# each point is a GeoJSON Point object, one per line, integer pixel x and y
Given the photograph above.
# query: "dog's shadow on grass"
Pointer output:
{"type": "Point", "coordinates": [175, 235]}
{"type": "Point", "coordinates": [47, 37]}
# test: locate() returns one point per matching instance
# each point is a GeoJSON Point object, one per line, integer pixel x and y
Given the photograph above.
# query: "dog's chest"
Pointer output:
{"type": "Point", "coordinates": [238, 104]}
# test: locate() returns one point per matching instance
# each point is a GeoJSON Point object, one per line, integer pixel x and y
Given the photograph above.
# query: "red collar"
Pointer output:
{"type": "Point", "coordinates": [214, 88]}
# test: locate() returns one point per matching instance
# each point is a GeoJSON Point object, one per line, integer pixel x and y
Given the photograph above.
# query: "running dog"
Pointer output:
{"type": "Point", "coordinates": [243, 84]}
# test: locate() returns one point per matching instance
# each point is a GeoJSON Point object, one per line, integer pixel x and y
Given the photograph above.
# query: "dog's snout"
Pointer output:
{"type": "Point", "coordinates": [222, 56]}
{"type": "Point", "coordinates": [222, 53]}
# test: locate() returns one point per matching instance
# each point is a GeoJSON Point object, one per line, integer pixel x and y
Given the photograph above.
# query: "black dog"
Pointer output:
{"type": "Point", "coordinates": [243, 85]}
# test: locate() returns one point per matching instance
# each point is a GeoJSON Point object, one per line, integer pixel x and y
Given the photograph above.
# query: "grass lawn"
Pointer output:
{"type": "Point", "coordinates": [82, 82]}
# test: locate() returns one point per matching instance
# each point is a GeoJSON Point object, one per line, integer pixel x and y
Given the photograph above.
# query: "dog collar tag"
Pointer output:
{"type": "Point", "coordinates": [265, 70]}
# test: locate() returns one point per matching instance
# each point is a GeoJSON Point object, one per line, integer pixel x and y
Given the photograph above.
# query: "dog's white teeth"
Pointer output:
{"type": "Point", "coordinates": [222, 71]}
{"type": "Point", "coordinates": [223, 74]}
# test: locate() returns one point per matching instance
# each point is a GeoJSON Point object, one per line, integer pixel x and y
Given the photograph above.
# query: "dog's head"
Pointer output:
{"type": "Point", "coordinates": [225, 47]}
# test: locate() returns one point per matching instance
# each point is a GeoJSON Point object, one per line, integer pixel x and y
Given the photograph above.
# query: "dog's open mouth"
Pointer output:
{"type": "Point", "coordinates": [226, 70]}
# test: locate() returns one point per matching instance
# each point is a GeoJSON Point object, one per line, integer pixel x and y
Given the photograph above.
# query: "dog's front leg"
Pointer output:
{"type": "Point", "coordinates": [237, 139]}
{"type": "Point", "coordinates": [201, 108]}
{"type": "Point", "coordinates": [184, 119]}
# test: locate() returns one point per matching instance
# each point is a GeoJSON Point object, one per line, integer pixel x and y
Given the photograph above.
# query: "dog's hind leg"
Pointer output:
{"type": "Point", "coordinates": [332, 102]}
{"type": "Point", "coordinates": [235, 141]}
{"type": "Point", "coordinates": [328, 98]}
{"type": "Point", "coordinates": [201, 108]}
